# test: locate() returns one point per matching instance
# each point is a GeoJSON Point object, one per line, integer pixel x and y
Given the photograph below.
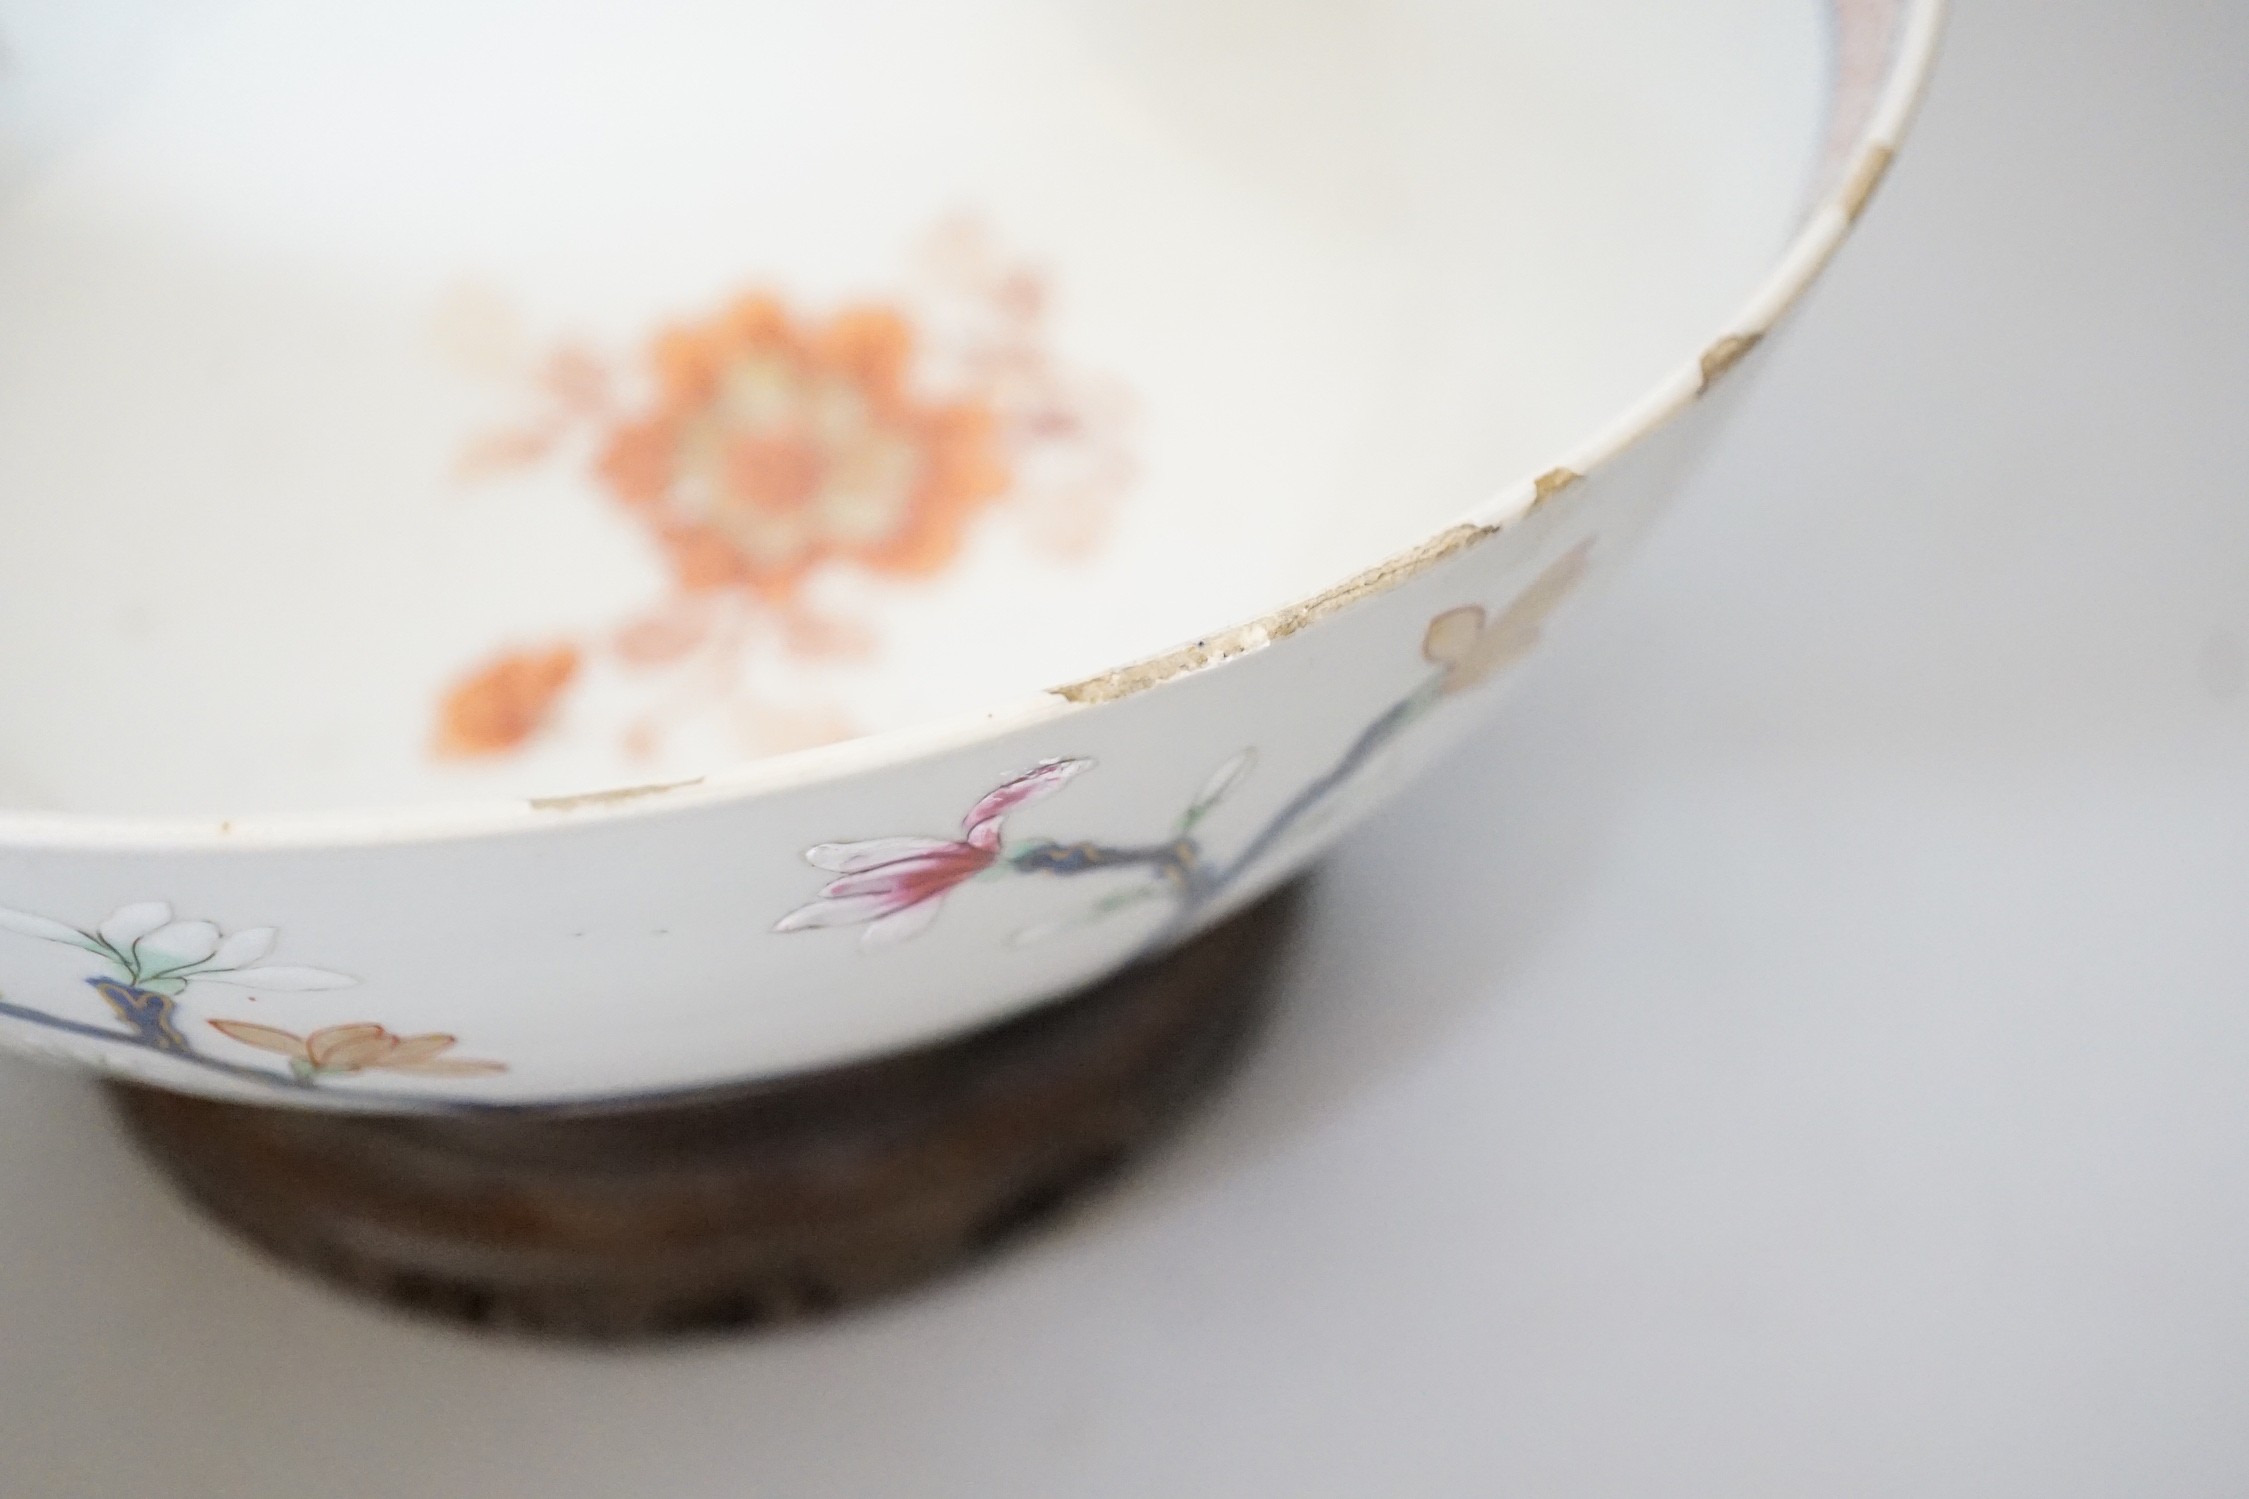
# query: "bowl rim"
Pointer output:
{"type": "Point", "coordinates": [1832, 215]}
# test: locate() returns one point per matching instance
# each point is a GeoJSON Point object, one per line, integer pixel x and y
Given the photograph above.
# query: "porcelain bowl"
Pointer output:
{"type": "Point", "coordinates": [592, 552]}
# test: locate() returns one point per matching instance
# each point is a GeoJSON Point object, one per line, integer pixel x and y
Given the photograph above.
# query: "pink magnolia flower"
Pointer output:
{"type": "Point", "coordinates": [895, 885]}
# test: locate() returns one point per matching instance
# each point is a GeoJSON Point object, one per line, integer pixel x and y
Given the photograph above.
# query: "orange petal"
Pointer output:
{"type": "Point", "coordinates": [664, 636]}
{"type": "Point", "coordinates": [637, 462]}
{"type": "Point", "coordinates": [412, 1050]}
{"type": "Point", "coordinates": [686, 362]}
{"type": "Point", "coordinates": [1501, 646]}
{"type": "Point", "coordinates": [344, 1046]}
{"type": "Point", "coordinates": [756, 320]}
{"type": "Point", "coordinates": [873, 345]}
{"type": "Point", "coordinates": [703, 560]}
{"type": "Point", "coordinates": [263, 1037]}
{"type": "Point", "coordinates": [1549, 588]}
{"type": "Point", "coordinates": [499, 452]}
{"type": "Point", "coordinates": [503, 704]}
{"type": "Point", "coordinates": [964, 469]}
{"type": "Point", "coordinates": [1452, 635]}
{"type": "Point", "coordinates": [578, 381]}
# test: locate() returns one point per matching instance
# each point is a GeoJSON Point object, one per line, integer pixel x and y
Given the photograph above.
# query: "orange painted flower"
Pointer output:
{"type": "Point", "coordinates": [503, 704]}
{"type": "Point", "coordinates": [772, 447]}
{"type": "Point", "coordinates": [1473, 648]}
{"type": "Point", "coordinates": [759, 445]}
{"type": "Point", "coordinates": [342, 1050]}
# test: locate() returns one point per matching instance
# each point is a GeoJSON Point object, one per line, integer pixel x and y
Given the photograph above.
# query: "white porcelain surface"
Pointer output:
{"type": "Point", "coordinates": [1345, 271]}
{"type": "Point", "coordinates": [1797, 1050]}
{"type": "Point", "coordinates": [809, 908]}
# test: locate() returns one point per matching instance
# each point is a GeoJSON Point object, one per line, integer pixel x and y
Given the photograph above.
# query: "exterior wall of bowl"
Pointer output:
{"type": "Point", "coordinates": [632, 951]}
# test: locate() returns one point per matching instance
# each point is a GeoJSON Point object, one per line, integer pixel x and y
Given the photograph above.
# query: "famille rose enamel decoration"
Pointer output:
{"type": "Point", "coordinates": [151, 972]}
{"type": "Point", "coordinates": [916, 520]}
{"type": "Point", "coordinates": [758, 444]}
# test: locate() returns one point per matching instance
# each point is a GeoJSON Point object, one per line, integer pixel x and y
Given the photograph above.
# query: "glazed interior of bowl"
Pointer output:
{"type": "Point", "coordinates": [431, 402]}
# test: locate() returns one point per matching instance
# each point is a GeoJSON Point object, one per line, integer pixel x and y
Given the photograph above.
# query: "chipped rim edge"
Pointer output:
{"type": "Point", "coordinates": [1800, 264]}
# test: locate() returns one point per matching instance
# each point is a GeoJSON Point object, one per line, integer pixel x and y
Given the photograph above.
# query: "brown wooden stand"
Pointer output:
{"type": "Point", "coordinates": [737, 1206]}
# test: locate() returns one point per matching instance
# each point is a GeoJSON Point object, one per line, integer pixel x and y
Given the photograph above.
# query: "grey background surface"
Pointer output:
{"type": "Point", "coordinates": [1803, 1049]}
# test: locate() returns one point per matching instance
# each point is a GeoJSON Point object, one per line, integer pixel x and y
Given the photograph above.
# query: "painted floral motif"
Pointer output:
{"type": "Point", "coordinates": [151, 962]}
{"type": "Point", "coordinates": [758, 446]}
{"type": "Point", "coordinates": [505, 701]}
{"type": "Point", "coordinates": [895, 885]}
{"type": "Point", "coordinates": [892, 887]}
{"type": "Point", "coordinates": [775, 445]}
{"type": "Point", "coordinates": [341, 1050]}
{"type": "Point", "coordinates": [152, 959]}
{"type": "Point", "coordinates": [144, 948]}
{"type": "Point", "coordinates": [1473, 649]}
